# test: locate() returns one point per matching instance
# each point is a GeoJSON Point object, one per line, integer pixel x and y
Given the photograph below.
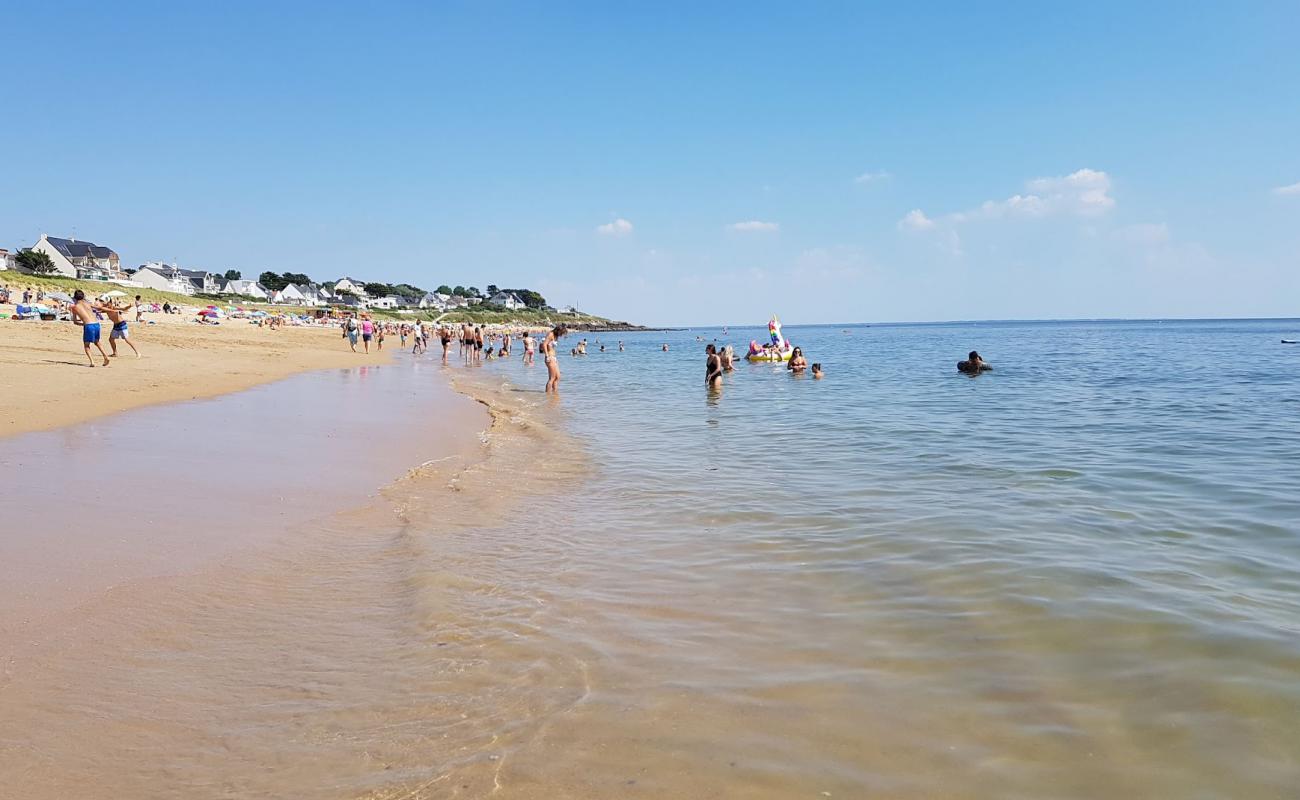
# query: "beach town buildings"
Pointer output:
{"type": "Point", "coordinates": [388, 302]}
{"type": "Point", "coordinates": [510, 300]}
{"type": "Point", "coordinates": [350, 286]}
{"type": "Point", "coordinates": [81, 259]}
{"type": "Point", "coordinates": [251, 289]}
{"type": "Point", "coordinates": [171, 278]}
{"type": "Point", "coordinates": [306, 294]}
{"type": "Point", "coordinates": [7, 260]}
{"type": "Point", "coordinates": [435, 301]}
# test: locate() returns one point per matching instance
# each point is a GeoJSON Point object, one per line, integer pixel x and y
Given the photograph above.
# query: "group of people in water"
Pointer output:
{"type": "Point", "coordinates": [721, 360]}
{"type": "Point", "coordinates": [478, 345]}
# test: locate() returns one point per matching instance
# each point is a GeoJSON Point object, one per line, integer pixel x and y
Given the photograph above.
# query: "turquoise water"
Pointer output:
{"type": "Point", "coordinates": [1077, 575]}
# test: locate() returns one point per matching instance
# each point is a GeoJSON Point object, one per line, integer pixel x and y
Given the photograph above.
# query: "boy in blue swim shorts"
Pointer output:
{"type": "Point", "coordinates": [83, 314]}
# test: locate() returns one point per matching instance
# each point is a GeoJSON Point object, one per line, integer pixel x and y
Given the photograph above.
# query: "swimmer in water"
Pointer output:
{"type": "Point", "coordinates": [797, 362]}
{"type": "Point", "coordinates": [973, 365]}
{"type": "Point", "coordinates": [817, 371]}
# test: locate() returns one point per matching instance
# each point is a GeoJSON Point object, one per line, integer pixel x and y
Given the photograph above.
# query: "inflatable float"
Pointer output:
{"type": "Point", "coordinates": [779, 349]}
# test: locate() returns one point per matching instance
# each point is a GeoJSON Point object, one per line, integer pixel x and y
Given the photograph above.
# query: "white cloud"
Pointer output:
{"type": "Point", "coordinates": [1083, 193]}
{"type": "Point", "coordinates": [754, 226]}
{"type": "Point", "coordinates": [915, 220]}
{"type": "Point", "coordinates": [1285, 190]}
{"type": "Point", "coordinates": [869, 176]}
{"type": "Point", "coordinates": [619, 227]}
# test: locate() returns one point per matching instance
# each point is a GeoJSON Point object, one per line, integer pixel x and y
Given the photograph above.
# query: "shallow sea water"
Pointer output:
{"type": "Point", "coordinates": [1077, 576]}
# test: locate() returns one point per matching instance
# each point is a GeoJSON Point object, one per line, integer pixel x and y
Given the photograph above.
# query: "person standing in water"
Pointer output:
{"type": "Point", "coordinates": [712, 366]}
{"type": "Point", "coordinates": [548, 355]}
{"type": "Point", "coordinates": [797, 362]}
{"type": "Point", "coordinates": [529, 346]}
{"type": "Point", "coordinates": [83, 314]}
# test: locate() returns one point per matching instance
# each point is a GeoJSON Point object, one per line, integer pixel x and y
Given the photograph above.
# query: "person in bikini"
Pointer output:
{"type": "Point", "coordinates": [83, 314]}
{"type": "Point", "coordinates": [119, 331]}
{"type": "Point", "coordinates": [529, 347]}
{"type": "Point", "coordinates": [548, 355]}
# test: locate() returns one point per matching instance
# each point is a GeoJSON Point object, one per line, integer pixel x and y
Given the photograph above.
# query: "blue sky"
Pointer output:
{"type": "Point", "coordinates": [673, 164]}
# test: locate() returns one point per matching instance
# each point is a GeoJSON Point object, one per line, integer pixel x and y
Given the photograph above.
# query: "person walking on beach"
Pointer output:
{"type": "Point", "coordinates": [351, 329]}
{"type": "Point", "coordinates": [548, 355]}
{"type": "Point", "coordinates": [119, 330]}
{"type": "Point", "coordinates": [83, 314]}
{"type": "Point", "coordinates": [712, 366]}
{"type": "Point", "coordinates": [367, 331]}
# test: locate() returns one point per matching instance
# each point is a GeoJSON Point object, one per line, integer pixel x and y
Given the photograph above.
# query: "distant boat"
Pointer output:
{"type": "Point", "coordinates": [1290, 341]}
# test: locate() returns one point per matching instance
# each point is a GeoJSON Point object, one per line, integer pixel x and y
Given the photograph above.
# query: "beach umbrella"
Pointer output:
{"type": "Point", "coordinates": [207, 312]}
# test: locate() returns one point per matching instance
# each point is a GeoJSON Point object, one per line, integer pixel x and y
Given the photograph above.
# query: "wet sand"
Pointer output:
{"type": "Point", "coordinates": [169, 490]}
{"type": "Point", "coordinates": [180, 360]}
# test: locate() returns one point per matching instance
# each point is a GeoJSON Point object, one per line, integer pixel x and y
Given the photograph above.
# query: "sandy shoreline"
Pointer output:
{"type": "Point", "coordinates": [43, 363]}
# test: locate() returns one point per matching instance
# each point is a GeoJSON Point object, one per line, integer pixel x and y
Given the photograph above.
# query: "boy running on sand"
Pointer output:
{"type": "Point", "coordinates": [119, 327]}
{"type": "Point", "coordinates": [83, 314]}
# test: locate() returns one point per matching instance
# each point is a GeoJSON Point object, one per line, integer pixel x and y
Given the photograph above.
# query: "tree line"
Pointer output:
{"type": "Point", "coordinates": [408, 292]}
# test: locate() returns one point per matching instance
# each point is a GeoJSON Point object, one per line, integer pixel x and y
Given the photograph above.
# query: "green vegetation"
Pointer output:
{"type": "Point", "coordinates": [233, 274]}
{"type": "Point", "coordinates": [36, 261]}
{"type": "Point", "coordinates": [91, 288]}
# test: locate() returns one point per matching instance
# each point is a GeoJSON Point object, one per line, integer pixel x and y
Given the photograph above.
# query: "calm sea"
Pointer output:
{"type": "Point", "coordinates": [1077, 575]}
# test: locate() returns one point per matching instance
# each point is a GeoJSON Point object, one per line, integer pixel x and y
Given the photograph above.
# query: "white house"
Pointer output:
{"type": "Point", "coordinates": [74, 259]}
{"type": "Point", "coordinates": [351, 286]}
{"type": "Point", "coordinates": [306, 294]}
{"type": "Point", "coordinates": [7, 261]}
{"type": "Point", "coordinates": [169, 278]}
{"type": "Point", "coordinates": [510, 300]}
{"type": "Point", "coordinates": [251, 289]}
{"type": "Point", "coordinates": [389, 302]}
{"type": "Point", "coordinates": [433, 300]}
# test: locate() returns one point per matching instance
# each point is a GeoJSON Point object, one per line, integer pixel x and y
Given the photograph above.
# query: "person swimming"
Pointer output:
{"type": "Point", "coordinates": [797, 362]}
{"type": "Point", "coordinates": [973, 365]}
{"type": "Point", "coordinates": [817, 370]}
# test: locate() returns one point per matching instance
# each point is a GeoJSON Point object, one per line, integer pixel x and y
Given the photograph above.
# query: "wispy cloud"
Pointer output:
{"type": "Point", "coordinates": [619, 227]}
{"type": "Point", "coordinates": [1285, 190]}
{"type": "Point", "coordinates": [915, 220]}
{"type": "Point", "coordinates": [869, 176]}
{"type": "Point", "coordinates": [1084, 193]}
{"type": "Point", "coordinates": [1146, 233]}
{"type": "Point", "coordinates": [755, 226]}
